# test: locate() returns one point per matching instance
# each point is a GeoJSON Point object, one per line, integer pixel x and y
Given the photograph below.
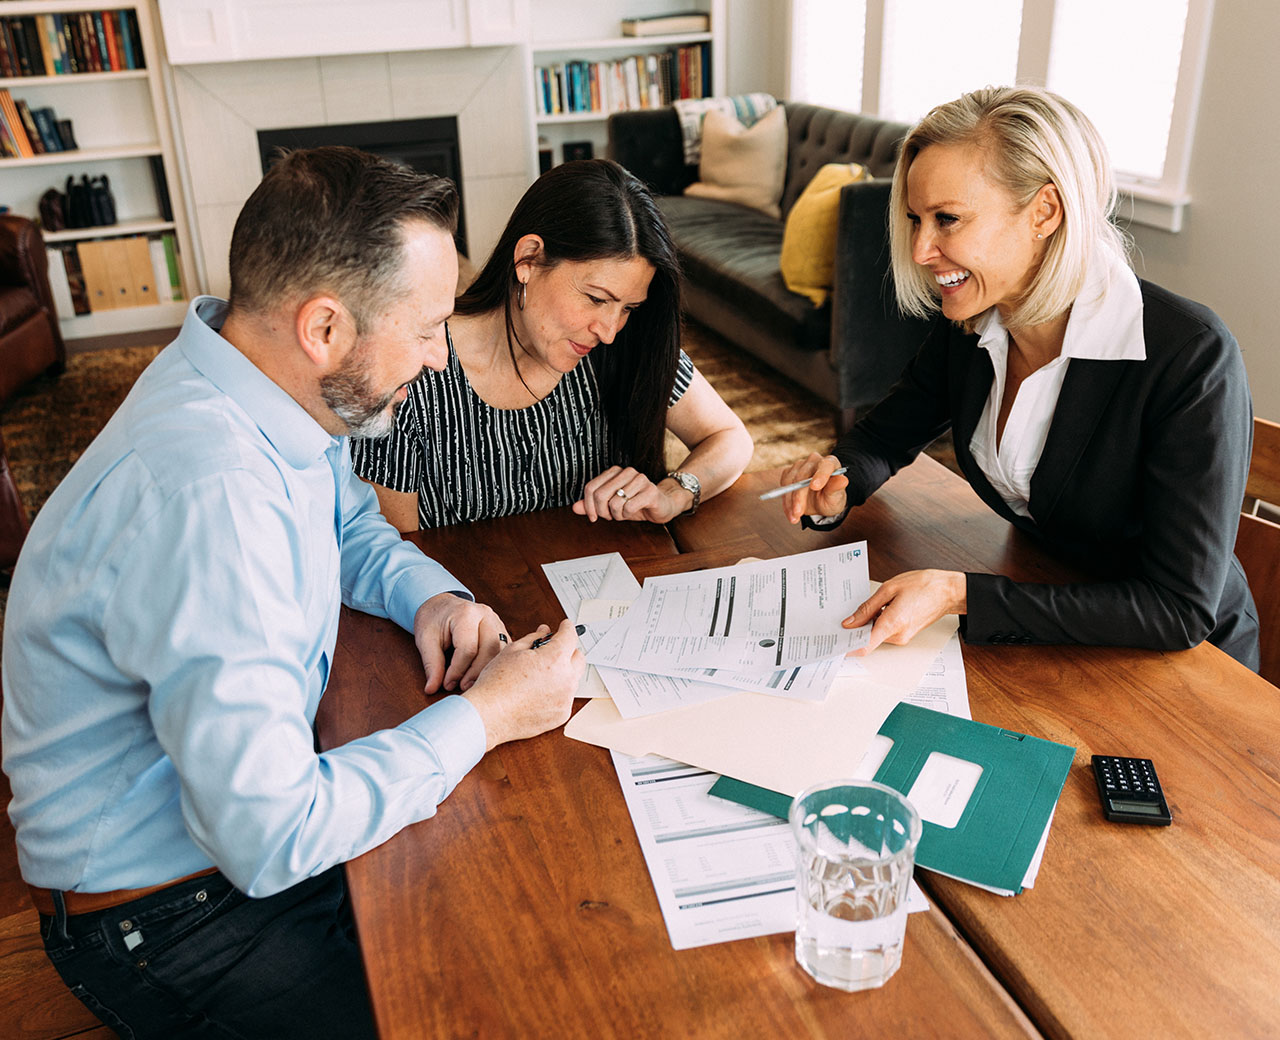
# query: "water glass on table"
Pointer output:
{"type": "Point", "coordinates": [855, 850]}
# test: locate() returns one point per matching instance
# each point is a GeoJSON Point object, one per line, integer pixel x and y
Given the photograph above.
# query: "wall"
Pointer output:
{"type": "Point", "coordinates": [756, 42]}
{"type": "Point", "coordinates": [1227, 248]}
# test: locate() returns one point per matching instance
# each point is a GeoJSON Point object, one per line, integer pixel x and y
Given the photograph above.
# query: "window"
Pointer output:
{"type": "Point", "coordinates": [1134, 66]}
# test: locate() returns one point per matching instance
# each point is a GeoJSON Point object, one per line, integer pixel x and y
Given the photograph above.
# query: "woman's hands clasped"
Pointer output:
{"type": "Point", "coordinates": [624, 493]}
{"type": "Point", "coordinates": [825, 495]}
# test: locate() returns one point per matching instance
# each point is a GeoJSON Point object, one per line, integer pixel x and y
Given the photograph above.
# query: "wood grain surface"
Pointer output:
{"type": "Point", "coordinates": [524, 907]}
{"type": "Point", "coordinates": [1129, 930]}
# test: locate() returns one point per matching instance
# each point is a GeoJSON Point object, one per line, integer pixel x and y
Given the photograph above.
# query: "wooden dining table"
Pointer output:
{"type": "Point", "coordinates": [523, 908]}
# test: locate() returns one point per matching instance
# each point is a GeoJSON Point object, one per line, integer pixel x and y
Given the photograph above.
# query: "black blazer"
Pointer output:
{"type": "Point", "coordinates": [1141, 481]}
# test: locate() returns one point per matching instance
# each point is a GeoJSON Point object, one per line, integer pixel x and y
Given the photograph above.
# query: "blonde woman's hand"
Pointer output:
{"type": "Point", "coordinates": [825, 495]}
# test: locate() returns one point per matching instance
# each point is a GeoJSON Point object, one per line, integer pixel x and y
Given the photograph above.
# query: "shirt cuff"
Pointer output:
{"type": "Point", "coordinates": [453, 728]}
{"type": "Point", "coordinates": [418, 585]}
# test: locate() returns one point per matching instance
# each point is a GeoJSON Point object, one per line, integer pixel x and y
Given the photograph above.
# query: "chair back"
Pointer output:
{"type": "Point", "coordinates": [1264, 467]}
{"type": "Point", "coordinates": [1258, 544]}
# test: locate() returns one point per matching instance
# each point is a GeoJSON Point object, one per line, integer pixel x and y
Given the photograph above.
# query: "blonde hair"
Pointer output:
{"type": "Point", "coordinates": [1030, 137]}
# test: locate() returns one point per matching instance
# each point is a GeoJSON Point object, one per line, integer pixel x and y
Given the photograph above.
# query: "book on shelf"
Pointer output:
{"type": "Point", "coordinates": [667, 24]}
{"type": "Point", "coordinates": [639, 81]}
{"type": "Point", "coordinates": [65, 44]}
{"type": "Point", "coordinates": [14, 126]}
{"type": "Point", "coordinates": [162, 187]}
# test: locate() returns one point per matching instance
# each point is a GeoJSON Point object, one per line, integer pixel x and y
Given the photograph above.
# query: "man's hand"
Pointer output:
{"type": "Point", "coordinates": [471, 630]}
{"type": "Point", "coordinates": [526, 691]}
{"type": "Point", "coordinates": [902, 606]}
{"type": "Point", "coordinates": [825, 495]}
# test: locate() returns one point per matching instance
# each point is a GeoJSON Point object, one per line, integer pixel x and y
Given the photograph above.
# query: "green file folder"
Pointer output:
{"type": "Point", "coordinates": [993, 839]}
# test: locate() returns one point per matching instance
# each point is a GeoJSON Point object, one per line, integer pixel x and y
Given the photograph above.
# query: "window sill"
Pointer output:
{"type": "Point", "coordinates": [1153, 207]}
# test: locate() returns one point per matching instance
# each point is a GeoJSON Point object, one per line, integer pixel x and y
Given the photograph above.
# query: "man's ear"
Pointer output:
{"type": "Point", "coordinates": [325, 330]}
{"type": "Point", "coordinates": [528, 251]}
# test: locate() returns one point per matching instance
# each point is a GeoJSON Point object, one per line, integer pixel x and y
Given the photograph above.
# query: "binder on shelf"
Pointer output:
{"type": "Point", "coordinates": [97, 279]}
{"type": "Point", "coordinates": [119, 272]}
{"type": "Point", "coordinates": [162, 187]}
{"type": "Point", "coordinates": [160, 270]}
{"type": "Point", "coordinates": [75, 280]}
{"type": "Point", "coordinates": [142, 278]}
{"type": "Point", "coordinates": [59, 286]}
{"type": "Point", "coordinates": [171, 261]}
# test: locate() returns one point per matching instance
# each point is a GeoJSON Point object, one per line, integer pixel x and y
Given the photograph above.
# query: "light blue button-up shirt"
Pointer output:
{"type": "Point", "coordinates": [168, 636]}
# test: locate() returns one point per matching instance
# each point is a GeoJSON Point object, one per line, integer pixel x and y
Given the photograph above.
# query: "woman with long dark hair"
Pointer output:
{"type": "Point", "coordinates": [564, 371]}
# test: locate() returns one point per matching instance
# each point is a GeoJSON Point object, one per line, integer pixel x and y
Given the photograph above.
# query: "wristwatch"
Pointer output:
{"type": "Point", "coordinates": [691, 484]}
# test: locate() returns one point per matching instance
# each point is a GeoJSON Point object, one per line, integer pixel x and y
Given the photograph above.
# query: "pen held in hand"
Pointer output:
{"type": "Point", "coordinates": [544, 640]}
{"type": "Point", "coordinates": [778, 492]}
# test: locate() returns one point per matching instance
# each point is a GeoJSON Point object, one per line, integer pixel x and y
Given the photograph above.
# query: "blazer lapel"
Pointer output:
{"type": "Point", "coordinates": [970, 402]}
{"type": "Point", "coordinates": [1086, 392]}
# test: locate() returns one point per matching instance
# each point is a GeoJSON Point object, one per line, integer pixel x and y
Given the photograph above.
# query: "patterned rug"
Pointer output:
{"type": "Point", "coordinates": [50, 423]}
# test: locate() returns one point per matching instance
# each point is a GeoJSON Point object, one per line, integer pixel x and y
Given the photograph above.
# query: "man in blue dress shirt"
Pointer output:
{"type": "Point", "coordinates": [172, 619]}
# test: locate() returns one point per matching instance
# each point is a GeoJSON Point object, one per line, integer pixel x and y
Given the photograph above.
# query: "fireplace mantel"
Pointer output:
{"type": "Point", "coordinates": [201, 31]}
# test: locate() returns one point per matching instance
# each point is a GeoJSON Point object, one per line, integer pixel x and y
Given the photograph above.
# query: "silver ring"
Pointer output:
{"type": "Point", "coordinates": [621, 494]}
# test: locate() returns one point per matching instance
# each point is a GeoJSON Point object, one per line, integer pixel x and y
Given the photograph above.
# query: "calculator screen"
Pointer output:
{"type": "Point", "coordinates": [1139, 807]}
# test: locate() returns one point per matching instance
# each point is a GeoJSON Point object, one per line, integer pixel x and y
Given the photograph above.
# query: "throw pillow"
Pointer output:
{"type": "Point", "coordinates": [809, 239]}
{"type": "Point", "coordinates": [743, 165]}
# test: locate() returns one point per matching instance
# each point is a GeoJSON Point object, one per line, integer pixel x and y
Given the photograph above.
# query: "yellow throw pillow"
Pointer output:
{"type": "Point", "coordinates": [745, 165]}
{"type": "Point", "coordinates": [809, 239]}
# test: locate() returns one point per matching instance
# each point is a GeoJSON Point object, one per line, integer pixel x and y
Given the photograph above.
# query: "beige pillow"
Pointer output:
{"type": "Point", "coordinates": [745, 165]}
{"type": "Point", "coordinates": [809, 239]}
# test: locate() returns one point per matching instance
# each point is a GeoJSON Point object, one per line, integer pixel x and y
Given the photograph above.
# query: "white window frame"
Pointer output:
{"type": "Point", "coordinates": [1161, 204]}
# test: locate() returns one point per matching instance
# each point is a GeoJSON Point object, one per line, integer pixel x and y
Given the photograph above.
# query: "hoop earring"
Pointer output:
{"type": "Point", "coordinates": [520, 295]}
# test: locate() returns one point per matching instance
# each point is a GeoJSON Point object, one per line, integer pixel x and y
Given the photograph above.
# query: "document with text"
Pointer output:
{"type": "Point", "coordinates": [754, 617]}
{"type": "Point", "coordinates": [721, 870]}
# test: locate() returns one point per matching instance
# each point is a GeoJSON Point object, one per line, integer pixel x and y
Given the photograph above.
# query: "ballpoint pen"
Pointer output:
{"type": "Point", "coordinates": [543, 640]}
{"type": "Point", "coordinates": [778, 492]}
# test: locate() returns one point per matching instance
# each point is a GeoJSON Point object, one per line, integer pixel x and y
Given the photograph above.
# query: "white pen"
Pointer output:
{"type": "Point", "coordinates": [778, 492]}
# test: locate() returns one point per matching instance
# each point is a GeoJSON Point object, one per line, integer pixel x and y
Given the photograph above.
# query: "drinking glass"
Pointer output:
{"type": "Point", "coordinates": [855, 850]}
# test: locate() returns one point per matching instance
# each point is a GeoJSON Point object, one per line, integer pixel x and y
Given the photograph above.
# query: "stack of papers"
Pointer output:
{"type": "Point", "coordinates": [724, 871]}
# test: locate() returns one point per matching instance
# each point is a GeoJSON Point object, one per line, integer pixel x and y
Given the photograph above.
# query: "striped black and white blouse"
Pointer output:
{"type": "Point", "coordinates": [470, 461]}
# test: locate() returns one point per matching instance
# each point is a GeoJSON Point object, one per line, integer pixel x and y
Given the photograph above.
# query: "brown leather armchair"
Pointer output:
{"type": "Point", "coordinates": [30, 345]}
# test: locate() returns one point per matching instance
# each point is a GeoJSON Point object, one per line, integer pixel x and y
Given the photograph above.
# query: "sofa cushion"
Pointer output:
{"type": "Point", "coordinates": [744, 165]}
{"type": "Point", "coordinates": [732, 253]}
{"type": "Point", "coordinates": [809, 236]}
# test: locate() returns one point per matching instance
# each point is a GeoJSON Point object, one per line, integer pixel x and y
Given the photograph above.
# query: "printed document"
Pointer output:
{"type": "Point", "coordinates": [753, 617]}
{"type": "Point", "coordinates": [721, 870]}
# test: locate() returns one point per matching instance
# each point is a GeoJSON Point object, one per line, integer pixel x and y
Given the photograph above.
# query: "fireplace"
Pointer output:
{"type": "Point", "coordinates": [426, 145]}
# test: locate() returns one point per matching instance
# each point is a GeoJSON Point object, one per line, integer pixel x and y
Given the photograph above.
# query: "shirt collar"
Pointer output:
{"type": "Point", "coordinates": [285, 423]}
{"type": "Point", "coordinates": [1105, 322]}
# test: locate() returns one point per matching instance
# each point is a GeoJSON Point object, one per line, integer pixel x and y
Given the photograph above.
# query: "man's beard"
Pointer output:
{"type": "Point", "coordinates": [353, 400]}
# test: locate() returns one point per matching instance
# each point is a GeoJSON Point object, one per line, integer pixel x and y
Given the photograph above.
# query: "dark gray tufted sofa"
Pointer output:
{"type": "Point", "coordinates": [852, 349]}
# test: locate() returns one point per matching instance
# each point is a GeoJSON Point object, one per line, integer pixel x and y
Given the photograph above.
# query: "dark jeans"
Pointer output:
{"type": "Point", "coordinates": [202, 960]}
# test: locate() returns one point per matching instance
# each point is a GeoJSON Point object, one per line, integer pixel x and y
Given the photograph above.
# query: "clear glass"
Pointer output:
{"type": "Point", "coordinates": [855, 851]}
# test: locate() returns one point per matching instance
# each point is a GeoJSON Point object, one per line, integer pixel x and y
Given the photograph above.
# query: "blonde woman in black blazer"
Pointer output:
{"type": "Point", "coordinates": [1103, 414]}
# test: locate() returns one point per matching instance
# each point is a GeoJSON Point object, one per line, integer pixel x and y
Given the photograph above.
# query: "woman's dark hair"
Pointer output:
{"type": "Point", "coordinates": [593, 209]}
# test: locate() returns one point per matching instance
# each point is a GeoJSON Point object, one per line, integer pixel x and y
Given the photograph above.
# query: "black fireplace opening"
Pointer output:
{"type": "Point", "coordinates": [425, 145]}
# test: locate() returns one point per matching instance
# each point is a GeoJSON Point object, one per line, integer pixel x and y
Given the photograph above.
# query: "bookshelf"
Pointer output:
{"type": "Point", "coordinates": [122, 121]}
{"type": "Point", "coordinates": [566, 32]}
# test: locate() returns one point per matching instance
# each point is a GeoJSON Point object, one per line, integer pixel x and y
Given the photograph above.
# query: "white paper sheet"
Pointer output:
{"type": "Point", "coordinates": [754, 617]}
{"type": "Point", "coordinates": [721, 871]}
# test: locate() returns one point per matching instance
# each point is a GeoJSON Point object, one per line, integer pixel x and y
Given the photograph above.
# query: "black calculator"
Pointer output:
{"type": "Point", "coordinates": [1130, 790]}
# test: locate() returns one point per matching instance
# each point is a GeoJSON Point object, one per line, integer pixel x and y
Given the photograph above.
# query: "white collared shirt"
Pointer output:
{"type": "Point", "coordinates": [1105, 325]}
